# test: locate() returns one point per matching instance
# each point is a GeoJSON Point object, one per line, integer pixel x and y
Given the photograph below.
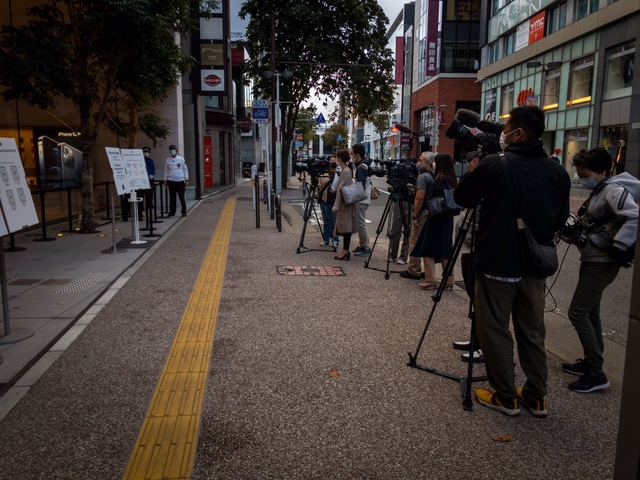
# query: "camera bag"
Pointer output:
{"type": "Point", "coordinates": [538, 260]}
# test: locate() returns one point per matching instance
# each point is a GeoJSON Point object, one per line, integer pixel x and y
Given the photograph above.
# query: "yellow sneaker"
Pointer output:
{"type": "Point", "coordinates": [537, 408]}
{"type": "Point", "coordinates": [489, 398]}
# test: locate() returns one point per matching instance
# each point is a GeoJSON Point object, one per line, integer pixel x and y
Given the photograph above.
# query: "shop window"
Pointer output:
{"type": "Point", "coordinates": [580, 81]}
{"type": "Point", "coordinates": [509, 44]}
{"type": "Point", "coordinates": [614, 141]}
{"type": "Point", "coordinates": [506, 101]}
{"type": "Point", "coordinates": [620, 71]}
{"type": "Point", "coordinates": [551, 90]}
{"type": "Point", "coordinates": [575, 140]}
{"type": "Point", "coordinates": [494, 52]}
{"type": "Point", "coordinates": [585, 7]}
{"type": "Point", "coordinates": [557, 18]}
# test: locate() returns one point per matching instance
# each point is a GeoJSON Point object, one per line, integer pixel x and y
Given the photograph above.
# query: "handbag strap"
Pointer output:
{"type": "Point", "coordinates": [519, 220]}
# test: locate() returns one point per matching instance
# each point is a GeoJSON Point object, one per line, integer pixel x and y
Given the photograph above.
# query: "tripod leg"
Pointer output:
{"type": "Point", "coordinates": [385, 214]}
{"type": "Point", "coordinates": [308, 205]}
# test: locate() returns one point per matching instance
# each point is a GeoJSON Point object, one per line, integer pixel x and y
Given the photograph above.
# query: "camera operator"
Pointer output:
{"type": "Point", "coordinates": [425, 182]}
{"type": "Point", "coordinates": [326, 199]}
{"type": "Point", "coordinates": [605, 234]}
{"type": "Point", "coordinates": [503, 287]}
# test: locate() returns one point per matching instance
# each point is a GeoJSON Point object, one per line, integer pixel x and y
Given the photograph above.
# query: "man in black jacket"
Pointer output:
{"type": "Point", "coordinates": [503, 286]}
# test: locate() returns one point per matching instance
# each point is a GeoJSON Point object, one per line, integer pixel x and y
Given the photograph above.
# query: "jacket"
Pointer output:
{"type": "Point", "coordinates": [346, 220]}
{"type": "Point", "coordinates": [541, 187]}
{"type": "Point", "coordinates": [362, 176]}
{"type": "Point", "coordinates": [613, 207]}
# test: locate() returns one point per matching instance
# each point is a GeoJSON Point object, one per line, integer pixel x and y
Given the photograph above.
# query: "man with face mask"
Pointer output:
{"type": "Point", "coordinates": [423, 184]}
{"type": "Point", "coordinates": [537, 188]}
{"type": "Point", "coordinates": [151, 173]}
{"type": "Point", "coordinates": [176, 177]}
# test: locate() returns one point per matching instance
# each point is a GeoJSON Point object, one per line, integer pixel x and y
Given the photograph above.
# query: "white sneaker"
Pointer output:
{"type": "Point", "coordinates": [401, 261]}
{"type": "Point", "coordinates": [324, 244]}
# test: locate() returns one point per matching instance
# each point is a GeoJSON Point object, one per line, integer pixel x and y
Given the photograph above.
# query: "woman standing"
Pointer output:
{"type": "Point", "coordinates": [436, 239]}
{"type": "Point", "coordinates": [608, 220]}
{"type": "Point", "coordinates": [326, 199]}
{"type": "Point", "coordinates": [346, 221]}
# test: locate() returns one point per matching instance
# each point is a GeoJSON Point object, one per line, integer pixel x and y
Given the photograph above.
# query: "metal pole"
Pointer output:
{"type": "Point", "coordinates": [256, 181]}
{"type": "Point", "coordinates": [278, 138]}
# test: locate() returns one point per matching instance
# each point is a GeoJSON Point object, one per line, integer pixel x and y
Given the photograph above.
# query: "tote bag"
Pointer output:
{"type": "Point", "coordinates": [353, 193]}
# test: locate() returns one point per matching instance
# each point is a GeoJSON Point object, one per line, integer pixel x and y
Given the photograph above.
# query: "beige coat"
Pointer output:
{"type": "Point", "coordinates": [347, 221]}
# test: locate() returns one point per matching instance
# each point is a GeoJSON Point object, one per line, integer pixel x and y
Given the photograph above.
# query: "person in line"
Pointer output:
{"type": "Point", "coordinates": [151, 173]}
{"type": "Point", "coordinates": [362, 176]}
{"type": "Point", "coordinates": [176, 177]}
{"type": "Point", "coordinates": [611, 212]}
{"type": "Point", "coordinates": [346, 221]}
{"type": "Point", "coordinates": [423, 185]}
{"type": "Point", "coordinates": [503, 287]}
{"type": "Point", "coordinates": [326, 199]}
{"type": "Point", "coordinates": [436, 239]}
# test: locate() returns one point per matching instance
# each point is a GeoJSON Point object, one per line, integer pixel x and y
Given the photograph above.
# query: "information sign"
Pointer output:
{"type": "Point", "coordinates": [136, 168]}
{"type": "Point", "coordinates": [15, 196]}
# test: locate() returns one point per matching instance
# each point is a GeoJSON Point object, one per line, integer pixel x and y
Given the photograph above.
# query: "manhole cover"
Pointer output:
{"type": "Point", "coordinates": [310, 271]}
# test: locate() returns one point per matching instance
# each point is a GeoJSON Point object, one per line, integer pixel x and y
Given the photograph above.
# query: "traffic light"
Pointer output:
{"type": "Point", "coordinates": [394, 129]}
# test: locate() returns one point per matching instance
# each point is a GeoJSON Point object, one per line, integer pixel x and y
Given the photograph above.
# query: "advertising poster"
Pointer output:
{"type": "Point", "coordinates": [15, 196]}
{"type": "Point", "coordinates": [490, 97]}
{"type": "Point", "coordinates": [59, 158]}
{"type": "Point", "coordinates": [135, 168]}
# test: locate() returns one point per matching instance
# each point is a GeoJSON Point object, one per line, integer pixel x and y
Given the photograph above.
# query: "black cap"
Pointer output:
{"type": "Point", "coordinates": [146, 149]}
{"type": "Point", "coordinates": [172, 147]}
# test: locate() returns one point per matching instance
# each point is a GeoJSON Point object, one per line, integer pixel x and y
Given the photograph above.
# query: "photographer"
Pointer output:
{"type": "Point", "coordinates": [605, 234]}
{"type": "Point", "coordinates": [420, 212]}
{"type": "Point", "coordinates": [326, 199]}
{"type": "Point", "coordinates": [503, 287]}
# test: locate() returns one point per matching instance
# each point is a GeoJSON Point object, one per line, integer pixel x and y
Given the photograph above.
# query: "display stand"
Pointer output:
{"type": "Point", "coordinates": [113, 249]}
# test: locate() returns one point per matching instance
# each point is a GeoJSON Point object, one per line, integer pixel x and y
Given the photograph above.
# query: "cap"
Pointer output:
{"type": "Point", "coordinates": [472, 155]}
{"type": "Point", "coordinates": [146, 149]}
{"type": "Point", "coordinates": [172, 147]}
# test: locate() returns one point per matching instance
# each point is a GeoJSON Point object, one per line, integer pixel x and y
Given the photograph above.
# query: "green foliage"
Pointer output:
{"type": "Point", "coordinates": [331, 136]}
{"type": "Point", "coordinates": [343, 46]}
{"type": "Point", "coordinates": [382, 125]}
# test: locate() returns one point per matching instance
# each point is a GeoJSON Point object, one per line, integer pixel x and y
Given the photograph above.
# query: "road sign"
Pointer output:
{"type": "Point", "coordinates": [260, 111]}
{"type": "Point", "coordinates": [320, 119]}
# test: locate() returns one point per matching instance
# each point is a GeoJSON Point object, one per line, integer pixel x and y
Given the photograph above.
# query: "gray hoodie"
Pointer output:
{"type": "Point", "coordinates": [614, 207]}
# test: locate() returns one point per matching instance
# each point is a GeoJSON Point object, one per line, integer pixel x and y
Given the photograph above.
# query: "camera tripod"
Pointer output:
{"type": "Point", "coordinates": [388, 216]}
{"type": "Point", "coordinates": [310, 206]}
{"type": "Point", "coordinates": [465, 382]}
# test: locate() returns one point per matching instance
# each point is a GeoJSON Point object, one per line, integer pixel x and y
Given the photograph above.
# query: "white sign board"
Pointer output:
{"type": "Point", "coordinates": [136, 168]}
{"type": "Point", "coordinates": [15, 196]}
{"type": "Point", "coordinates": [129, 169]}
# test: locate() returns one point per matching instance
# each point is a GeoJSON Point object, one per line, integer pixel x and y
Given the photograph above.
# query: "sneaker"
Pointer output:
{"type": "Point", "coordinates": [363, 252]}
{"type": "Point", "coordinates": [324, 244]}
{"type": "Point", "coordinates": [537, 408]}
{"type": "Point", "coordinates": [401, 261]}
{"type": "Point", "coordinates": [590, 382]}
{"type": "Point", "coordinates": [462, 345]}
{"type": "Point", "coordinates": [358, 249]}
{"type": "Point", "coordinates": [391, 260]}
{"type": "Point", "coordinates": [335, 243]}
{"type": "Point", "coordinates": [489, 398]}
{"type": "Point", "coordinates": [478, 357]}
{"type": "Point", "coordinates": [577, 368]}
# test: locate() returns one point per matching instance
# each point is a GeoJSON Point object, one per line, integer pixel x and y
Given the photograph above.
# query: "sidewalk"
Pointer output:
{"type": "Point", "coordinates": [308, 375]}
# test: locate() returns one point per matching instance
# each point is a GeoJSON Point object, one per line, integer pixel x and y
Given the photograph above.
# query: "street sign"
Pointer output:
{"type": "Point", "coordinates": [320, 119]}
{"type": "Point", "coordinates": [260, 111]}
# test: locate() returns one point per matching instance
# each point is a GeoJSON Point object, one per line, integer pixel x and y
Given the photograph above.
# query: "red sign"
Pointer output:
{"type": "Point", "coordinates": [536, 27]}
{"type": "Point", "coordinates": [244, 123]}
{"type": "Point", "coordinates": [208, 162]}
{"type": "Point", "coordinates": [522, 96]}
{"type": "Point", "coordinates": [212, 80]}
{"type": "Point", "coordinates": [399, 60]}
{"type": "Point", "coordinates": [431, 53]}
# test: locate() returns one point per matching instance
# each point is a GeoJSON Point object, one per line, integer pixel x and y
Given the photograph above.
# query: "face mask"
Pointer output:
{"type": "Point", "coordinates": [146, 154]}
{"type": "Point", "coordinates": [503, 140]}
{"type": "Point", "coordinates": [422, 167]}
{"type": "Point", "coordinates": [173, 152]}
{"type": "Point", "coordinates": [589, 183]}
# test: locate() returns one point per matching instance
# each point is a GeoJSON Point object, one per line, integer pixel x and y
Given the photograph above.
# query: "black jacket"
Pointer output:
{"type": "Point", "coordinates": [541, 188]}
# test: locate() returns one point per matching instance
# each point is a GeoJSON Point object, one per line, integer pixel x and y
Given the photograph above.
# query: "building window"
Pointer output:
{"type": "Point", "coordinates": [585, 7]}
{"type": "Point", "coordinates": [557, 18]}
{"type": "Point", "coordinates": [580, 81]}
{"type": "Point", "coordinates": [509, 44]}
{"type": "Point", "coordinates": [506, 101]}
{"type": "Point", "coordinates": [620, 71]}
{"type": "Point", "coordinates": [494, 52]}
{"type": "Point", "coordinates": [551, 89]}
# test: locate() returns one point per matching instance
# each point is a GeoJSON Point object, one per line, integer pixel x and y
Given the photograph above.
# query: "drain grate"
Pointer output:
{"type": "Point", "coordinates": [310, 271]}
{"type": "Point", "coordinates": [57, 281]}
{"type": "Point", "coordinates": [83, 283]}
{"type": "Point", "coordinates": [25, 281]}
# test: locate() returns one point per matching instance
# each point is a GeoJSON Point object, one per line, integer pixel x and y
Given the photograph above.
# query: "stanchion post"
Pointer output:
{"type": "Point", "coordinates": [69, 210]}
{"type": "Point", "coordinates": [256, 183]}
{"type": "Point", "coordinates": [43, 221]}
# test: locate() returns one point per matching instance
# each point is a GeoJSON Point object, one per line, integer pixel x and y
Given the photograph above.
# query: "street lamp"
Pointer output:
{"type": "Point", "coordinates": [278, 142]}
{"type": "Point", "coordinates": [547, 66]}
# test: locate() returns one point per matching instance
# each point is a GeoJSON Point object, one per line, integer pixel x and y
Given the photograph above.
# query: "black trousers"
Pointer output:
{"type": "Point", "coordinates": [176, 188]}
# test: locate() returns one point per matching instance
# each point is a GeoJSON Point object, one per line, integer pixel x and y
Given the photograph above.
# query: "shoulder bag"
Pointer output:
{"type": "Point", "coordinates": [538, 260]}
{"type": "Point", "coordinates": [353, 192]}
{"type": "Point", "coordinates": [443, 205]}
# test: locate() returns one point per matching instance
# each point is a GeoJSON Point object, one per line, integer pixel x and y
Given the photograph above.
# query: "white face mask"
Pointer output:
{"type": "Point", "coordinates": [173, 152]}
{"type": "Point", "coordinates": [503, 140]}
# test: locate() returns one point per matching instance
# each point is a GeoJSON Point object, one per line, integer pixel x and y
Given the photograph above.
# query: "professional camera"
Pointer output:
{"type": "Point", "coordinates": [399, 174]}
{"type": "Point", "coordinates": [486, 141]}
{"type": "Point", "coordinates": [577, 231]}
{"type": "Point", "coordinates": [315, 166]}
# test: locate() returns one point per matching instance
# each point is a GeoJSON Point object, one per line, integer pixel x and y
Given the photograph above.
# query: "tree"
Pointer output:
{"type": "Point", "coordinates": [382, 125]}
{"type": "Point", "coordinates": [333, 133]}
{"type": "Point", "coordinates": [349, 52]}
{"type": "Point", "coordinates": [76, 50]}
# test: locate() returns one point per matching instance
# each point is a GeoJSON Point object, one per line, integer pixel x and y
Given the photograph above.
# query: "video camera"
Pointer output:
{"type": "Point", "coordinates": [399, 174]}
{"type": "Point", "coordinates": [315, 166]}
{"type": "Point", "coordinates": [486, 141]}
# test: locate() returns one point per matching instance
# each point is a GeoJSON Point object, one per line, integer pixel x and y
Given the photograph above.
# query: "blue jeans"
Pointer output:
{"type": "Point", "coordinates": [329, 220]}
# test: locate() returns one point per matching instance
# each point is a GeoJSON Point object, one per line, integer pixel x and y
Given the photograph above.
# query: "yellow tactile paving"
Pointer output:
{"type": "Point", "coordinates": [168, 439]}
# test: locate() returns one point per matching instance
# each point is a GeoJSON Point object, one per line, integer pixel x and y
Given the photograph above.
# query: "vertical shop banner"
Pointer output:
{"type": "Point", "coordinates": [15, 196]}
{"type": "Point", "coordinates": [536, 27]}
{"type": "Point", "coordinates": [490, 97]}
{"type": "Point", "coordinates": [208, 161]}
{"type": "Point", "coordinates": [399, 60]}
{"type": "Point", "coordinates": [136, 168]}
{"type": "Point", "coordinates": [431, 52]}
